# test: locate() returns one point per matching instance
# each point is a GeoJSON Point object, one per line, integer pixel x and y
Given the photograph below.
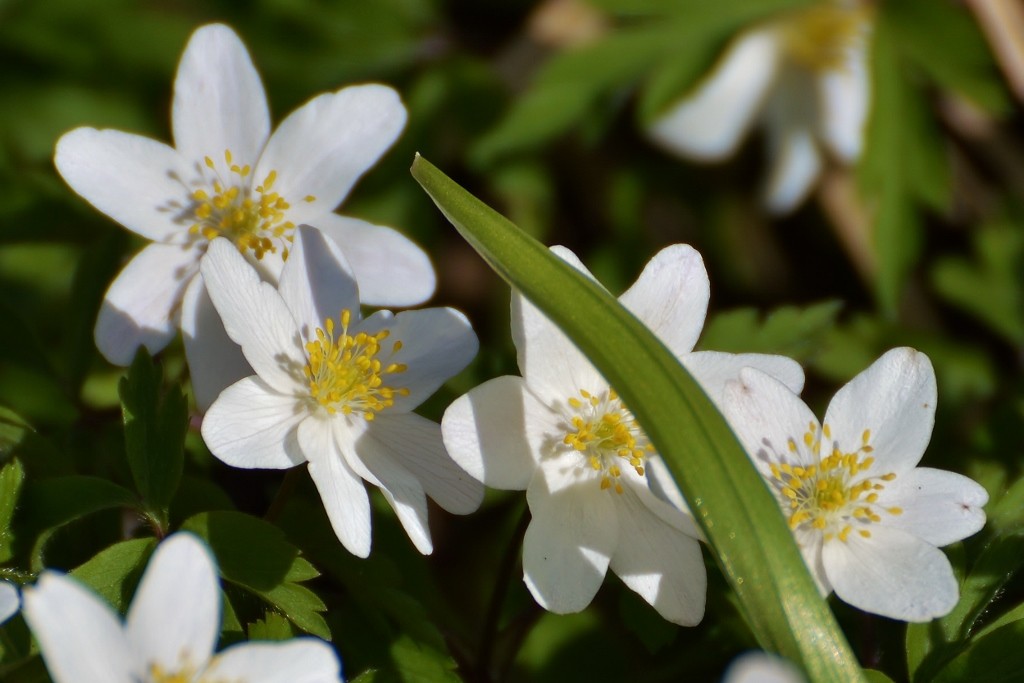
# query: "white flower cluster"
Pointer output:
{"type": "Point", "coordinates": [266, 284]}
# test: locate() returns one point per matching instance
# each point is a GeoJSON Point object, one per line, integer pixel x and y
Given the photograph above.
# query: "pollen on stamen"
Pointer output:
{"type": "Point", "coordinates": [603, 430]}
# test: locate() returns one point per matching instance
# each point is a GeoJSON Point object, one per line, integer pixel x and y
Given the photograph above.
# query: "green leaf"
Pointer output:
{"type": "Point", "coordinates": [115, 571]}
{"type": "Point", "coordinates": [789, 330]}
{"type": "Point", "coordinates": [875, 676]}
{"type": "Point", "coordinates": [11, 477]}
{"type": "Point", "coordinates": [272, 626]}
{"type": "Point", "coordinates": [255, 555]}
{"type": "Point", "coordinates": [155, 424]}
{"type": "Point", "coordinates": [993, 658]}
{"type": "Point", "coordinates": [739, 516]}
{"type": "Point", "coordinates": [51, 503]}
{"type": "Point", "coordinates": [13, 429]}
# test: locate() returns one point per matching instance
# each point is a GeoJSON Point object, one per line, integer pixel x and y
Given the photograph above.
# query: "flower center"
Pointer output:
{"type": "Point", "coordinates": [344, 373]}
{"type": "Point", "coordinates": [831, 496]}
{"type": "Point", "coordinates": [603, 430]}
{"type": "Point", "coordinates": [254, 218]}
{"type": "Point", "coordinates": [820, 38]}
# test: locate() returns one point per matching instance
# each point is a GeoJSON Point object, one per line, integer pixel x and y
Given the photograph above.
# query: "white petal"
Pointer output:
{"type": "Point", "coordinates": [255, 317]}
{"type": "Point", "coordinates": [767, 417]}
{"type": "Point", "coordinates": [663, 485]}
{"type": "Point", "coordinates": [893, 574]}
{"type": "Point", "coordinates": [761, 667]}
{"type": "Point", "coordinates": [662, 564]}
{"type": "Point", "coordinates": [300, 660]}
{"type": "Point", "coordinates": [415, 444]}
{"type": "Point", "coordinates": [10, 602]}
{"type": "Point", "coordinates": [252, 426]}
{"type": "Point", "coordinates": [391, 269]}
{"type": "Point", "coordinates": [79, 636]}
{"type": "Point", "coordinates": [568, 544]}
{"type": "Point", "coordinates": [809, 540]}
{"type": "Point", "coordinates": [342, 492]}
{"type": "Point", "coordinates": [174, 619]}
{"type": "Point", "coordinates": [140, 183]}
{"type": "Point", "coordinates": [400, 488]}
{"type": "Point", "coordinates": [939, 507]}
{"type": "Point", "coordinates": [796, 164]}
{"type": "Point", "coordinates": [142, 305]}
{"type": "Point", "coordinates": [317, 282]}
{"type": "Point", "coordinates": [671, 297]}
{"type": "Point", "coordinates": [323, 147]}
{"type": "Point", "coordinates": [214, 361]}
{"type": "Point", "coordinates": [844, 95]}
{"type": "Point", "coordinates": [664, 502]}
{"type": "Point", "coordinates": [710, 122]}
{"type": "Point", "coordinates": [553, 367]}
{"type": "Point", "coordinates": [498, 432]}
{"type": "Point", "coordinates": [219, 102]}
{"type": "Point", "coordinates": [714, 368]}
{"type": "Point", "coordinates": [895, 399]}
{"type": "Point", "coordinates": [437, 343]}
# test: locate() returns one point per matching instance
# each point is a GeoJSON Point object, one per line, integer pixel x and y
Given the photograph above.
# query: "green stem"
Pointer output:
{"type": "Point", "coordinates": [284, 493]}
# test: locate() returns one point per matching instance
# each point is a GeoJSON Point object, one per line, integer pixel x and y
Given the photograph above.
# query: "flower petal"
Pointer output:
{"type": "Point", "coordinates": [714, 368]}
{"type": "Point", "coordinates": [937, 506]}
{"type": "Point", "coordinates": [796, 164]}
{"type": "Point", "coordinates": [162, 632]}
{"type": "Point", "coordinates": [767, 417]}
{"type": "Point", "coordinates": [415, 444]}
{"type": "Point", "coordinates": [214, 361]}
{"type": "Point", "coordinates": [892, 573]}
{"type": "Point", "coordinates": [219, 103]}
{"type": "Point", "coordinates": [255, 317]}
{"type": "Point", "coordinates": [400, 488]}
{"type": "Point", "coordinates": [568, 544]}
{"type": "Point", "coordinates": [300, 660]}
{"type": "Point", "coordinates": [252, 426]}
{"type": "Point", "coordinates": [810, 540]}
{"type": "Point", "coordinates": [391, 269]}
{"type": "Point", "coordinates": [895, 400]}
{"type": "Point", "coordinates": [142, 305]}
{"type": "Point", "coordinates": [323, 147]}
{"type": "Point", "coordinates": [10, 601]}
{"type": "Point", "coordinates": [662, 564]}
{"type": "Point", "coordinates": [341, 490]}
{"type": "Point", "coordinates": [317, 281]}
{"type": "Point", "coordinates": [498, 432]}
{"type": "Point", "coordinates": [671, 297]}
{"type": "Point", "coordinates": [436, 344]}
{"type": "Point", "coordinates": [710, 122]}
{"type": "Point", "coordinates": [553, 367]}
{"type": "Point", "coordinates": [140, 183]}
{"type": "Point", "coordinates": [761, 667]}
{"type": "Point", "coordinates": [79, 636]}
{"type": "Point", "coordinates": [843, 96]}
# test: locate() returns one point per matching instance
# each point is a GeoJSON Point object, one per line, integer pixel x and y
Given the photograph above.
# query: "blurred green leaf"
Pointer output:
{"type": "Point", "coordinates": [155, 423]}
{"type": "Point", "coordinates": [255, 555]}
{"type": "Point", "coordinates": [996, 657]}
{"type": "Point", "coordinates": [13, 429]}
{"type": "Point", "coordinates": [728, 497]}
{"type": "Point", "coordinates": [11, 478]}
{"type": "Point", "coordinates": [788, 331]}
{"type": "Point", "coordinates": [272, 626]}
{"type": "Point", "coordinates": [115, 571]}
{"type": "Point", "coordinates": [875, 676]}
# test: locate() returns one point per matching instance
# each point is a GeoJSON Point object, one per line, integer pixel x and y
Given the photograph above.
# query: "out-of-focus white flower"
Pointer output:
{"type": "Point", "coordinates": [228, 176]}
{"type": "Point", "coordinates": [10, 601]}
{"type": "Point", "coordinates": [170, 632]}
{"type": "Point", "coordinates": [868, 520]}
{"type": "Point", "coordinates": [562, 433]}
{"type": "Point", "coordinates": [804, 76]}
{"type": "Point", "coordinates": [761, 667]}
{"type": "Point", "coordinates": [335, 391]}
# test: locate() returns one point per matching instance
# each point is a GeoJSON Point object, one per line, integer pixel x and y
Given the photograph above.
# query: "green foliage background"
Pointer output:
{"type": "Point", "coordinates": [550, 135]}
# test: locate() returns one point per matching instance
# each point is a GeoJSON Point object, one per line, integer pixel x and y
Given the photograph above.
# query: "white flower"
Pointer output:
{"type": "Point", "coordinates": [868, 521]}
{"type": "Point", "coordinates": [227, 176]}
{"type": "Point", "coordinates": [804, 76]}
{"type": "Point", "coordinates": [336, 391]}
{"type": "Point", "coordinates": [10, 602]}
{"type": "Point", "coordinates": [561, 433]}
{"type": "Point", "coordinates": [761, 667]}
{"type": "Point", "coordinates": [170, 632]}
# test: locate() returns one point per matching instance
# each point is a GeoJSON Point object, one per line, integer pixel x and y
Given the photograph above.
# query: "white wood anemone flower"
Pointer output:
{"type": "Point", "coordinates": [562, 433]}
{"type": "Point", "coordinates": [335, 391]}
{"type": "Point", "coordinates": [762, 667]}
{"type": "Point", "coordinates": [868, 521]}
{"type": "Point", "coordinates": [227, 176]}
{"type": "Point", "coordinates": [10, 601]}
{"type": "Point", "coordinates": [804, 76]}
{"type": "Point", "coordinates": [170, 632]}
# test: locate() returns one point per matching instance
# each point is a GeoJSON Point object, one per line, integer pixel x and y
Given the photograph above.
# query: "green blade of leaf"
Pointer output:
{"type": "Point", "coordinates": [730, 500]}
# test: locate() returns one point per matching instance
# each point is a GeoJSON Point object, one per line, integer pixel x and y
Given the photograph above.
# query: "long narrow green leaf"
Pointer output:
{"type": "Point", "coordinates": [738, 514]}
